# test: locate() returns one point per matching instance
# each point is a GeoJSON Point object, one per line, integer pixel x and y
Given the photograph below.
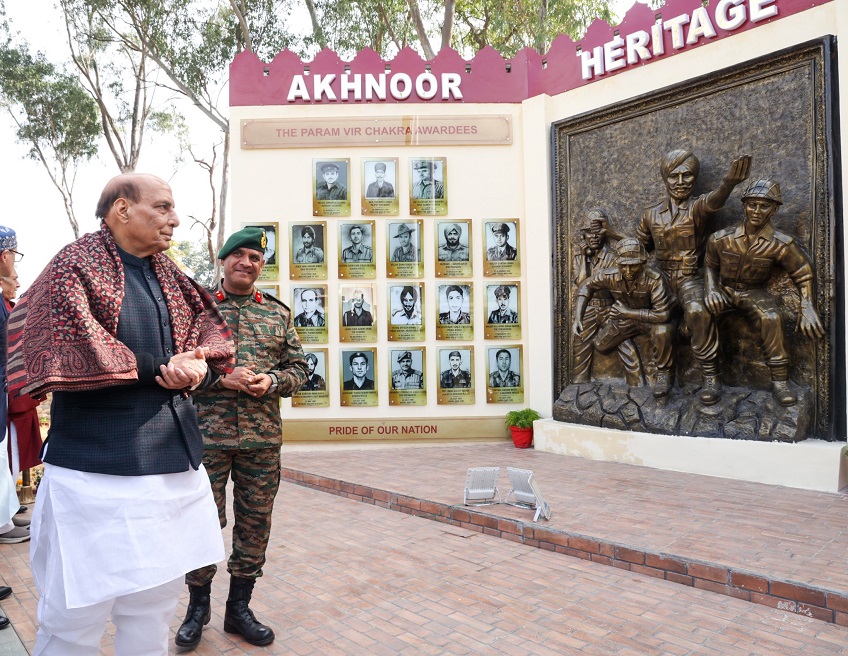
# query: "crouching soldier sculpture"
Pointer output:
{"type": "Point", "coordinates": [738, 265]}
{"type": "Point", "coordinates": [642, 306]}
{"type": "Point", "coordinates": [597, 253]}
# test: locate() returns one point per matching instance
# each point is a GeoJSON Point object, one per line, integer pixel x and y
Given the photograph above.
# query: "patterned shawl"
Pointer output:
{"type": "Point", "coordinates": [62, 332]}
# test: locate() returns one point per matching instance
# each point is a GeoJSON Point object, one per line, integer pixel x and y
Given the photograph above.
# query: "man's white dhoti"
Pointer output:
{"type": "Point", "coordinates": [99, 542]}
{"type": "Point", "coordinates": [9, 503]}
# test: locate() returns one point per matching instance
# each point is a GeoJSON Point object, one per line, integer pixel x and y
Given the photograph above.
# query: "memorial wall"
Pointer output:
{"type": "Point", "coordinates": [426, 222]}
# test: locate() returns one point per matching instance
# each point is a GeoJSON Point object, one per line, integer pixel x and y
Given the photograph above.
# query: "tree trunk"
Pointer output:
{"type": "Point", "coordinates": [419, 29]}
{"type": "Point", "coordinates": [222, 216]}
{"type": "Point", "coordinates": [447, 25]}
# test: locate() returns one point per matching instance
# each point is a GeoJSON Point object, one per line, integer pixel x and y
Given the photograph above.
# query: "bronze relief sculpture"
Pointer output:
{"type": "Point", "coordinates": [626, 305]}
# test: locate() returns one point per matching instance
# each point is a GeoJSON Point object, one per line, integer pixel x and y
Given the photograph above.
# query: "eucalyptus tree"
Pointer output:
{"type": "Point", "coordinates": [53, 115]}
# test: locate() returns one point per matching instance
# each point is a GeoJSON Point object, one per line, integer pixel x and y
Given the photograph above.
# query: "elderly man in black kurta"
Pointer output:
{"type": "Point", "coordinates": [121, 337]}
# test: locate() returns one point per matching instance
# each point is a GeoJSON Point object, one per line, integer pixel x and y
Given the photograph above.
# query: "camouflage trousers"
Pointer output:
{"type": "Point", "coordinates": [256, 478]}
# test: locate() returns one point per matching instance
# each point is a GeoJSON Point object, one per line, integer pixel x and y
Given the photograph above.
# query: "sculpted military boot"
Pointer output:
{"type": "Point", "coordinates": [782, 394]}
{"type": "Point", "coordinates": [240, 619]}
{"type": "Point", "coordinates": [197, 616]}
{"type": "Point", "coordinates": [663, 385]}
{"type": "Point", "coordinates": [780, 391]}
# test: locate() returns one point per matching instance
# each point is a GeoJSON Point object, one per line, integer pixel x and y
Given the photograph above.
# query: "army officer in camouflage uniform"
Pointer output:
{"type": "Point", "coordinates": [239, 416]}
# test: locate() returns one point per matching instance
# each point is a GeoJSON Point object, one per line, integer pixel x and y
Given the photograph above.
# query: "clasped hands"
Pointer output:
{"type": "Point", "coordinates": [184, 370]}
{"type": "Point", "coordinates": [244, 379]}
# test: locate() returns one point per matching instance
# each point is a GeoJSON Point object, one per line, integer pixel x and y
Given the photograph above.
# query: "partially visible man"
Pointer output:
{"type": "Point", "coordinates": [642, 306]}
{"type": "Point", "coordinates": [311, 316]}
{"type": "Point", "coordinates": [359, 373]}
{"type": "Point", "coordinates": [380, 188]}
{"type": "Point", "coordinates": [676, 230]}
{"type": "Point", "coordinates": [329, 190]}
{"type": "Point", "coordinates": [23, 429]}
{"type": "Point", "coordinates": [357, 315]}
{"type": "Point", "coordinates": [408, 314]}
{"type": "Point", "coordinates": [314, 382]}
{"type": "Point", "coordinates": [425, 185]}
{"type": "Point", "coordinates": [503, 313]}
{"type": "Point", "coordinates": [406, 377]}
{"type": "Point", "coordinates": [357, 251]}
{"type": "Point", "coordinates": [451, 250]}
{"type": "Point", "coordinates": [739, 263]}
{"type": "Point", "coordinates": [502, 250]}
{"type": "Point", "coordinates": [405, 251]}
{"type": "Point", "coordinates": [124, 508]}
{"type": "Point", "coordinates": [308, 253]}
{"type": "Point", "coordinates": [455, 375]}
{"type": "Point", "coordinates": [502, 376]}
{"type": "Point", "coordinates": [242, 434]}
{"type": "Point", "coordinates": [9, 505]}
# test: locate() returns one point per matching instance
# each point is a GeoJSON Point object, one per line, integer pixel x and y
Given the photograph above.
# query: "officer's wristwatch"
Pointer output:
{"type": "Point", "coordinates": [274, 382]}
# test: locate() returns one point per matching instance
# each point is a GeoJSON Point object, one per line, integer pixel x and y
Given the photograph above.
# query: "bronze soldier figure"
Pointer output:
{"type": "Point", "coordinates": [242, 434]}
{"type": "Point", "coordinates": [596, 255]}
{"type": "Point", "coordinates": [676, 229]}
{"type": "Point", "coordinates": [642, 305]}
{"type": "Point", "coordinates": [739, 263]}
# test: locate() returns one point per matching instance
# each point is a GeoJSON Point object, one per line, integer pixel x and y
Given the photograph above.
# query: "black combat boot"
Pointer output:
{"type": "Point", "coordinates": [197, 616]}
{"type": "Point", "coordinates": [240, 619]}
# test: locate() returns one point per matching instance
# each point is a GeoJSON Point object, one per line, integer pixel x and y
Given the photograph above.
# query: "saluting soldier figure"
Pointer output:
{"type": "Point", "coordinates": [642, 305]}
{"type": "Point", "coordinates": [676, 229]}
{"type": "Point", "coordinates": [739, 263]}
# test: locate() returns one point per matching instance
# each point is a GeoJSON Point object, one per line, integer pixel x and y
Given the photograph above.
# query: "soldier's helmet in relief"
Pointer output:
{"type": "Point", "coordinates": [631, 251]}
{"type": "Point", "coordinates": [764, 188]}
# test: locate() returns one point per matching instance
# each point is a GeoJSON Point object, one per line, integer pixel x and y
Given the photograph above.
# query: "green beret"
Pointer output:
{"type": "Point", "coordinates": [252, 238]}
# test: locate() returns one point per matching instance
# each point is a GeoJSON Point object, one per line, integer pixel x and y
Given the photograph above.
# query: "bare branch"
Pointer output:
{"type": "Point", "coordinates": [420, 30]}
{"type": "Point", "coordinates": [248, 45]}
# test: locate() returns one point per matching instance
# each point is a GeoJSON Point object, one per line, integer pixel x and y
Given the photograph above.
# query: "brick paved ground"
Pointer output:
{"type": "Point", "coordinates": [351, 578]}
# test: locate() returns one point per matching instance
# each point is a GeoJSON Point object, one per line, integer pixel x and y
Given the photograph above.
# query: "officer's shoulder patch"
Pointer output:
{"type": "Point", "coordinates": [273, 299]}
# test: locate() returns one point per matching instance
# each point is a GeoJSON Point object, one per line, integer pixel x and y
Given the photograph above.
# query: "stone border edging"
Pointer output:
{"type": "Point", "coordinates": [818, 603]}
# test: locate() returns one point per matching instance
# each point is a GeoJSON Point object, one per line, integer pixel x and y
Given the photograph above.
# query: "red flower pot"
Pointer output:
{"type": "Point", "coordinates": [521, 437]}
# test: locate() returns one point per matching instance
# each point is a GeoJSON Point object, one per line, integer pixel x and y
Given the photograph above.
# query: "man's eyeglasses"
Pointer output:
{"type": "Point", "coordinates": [18, 256]}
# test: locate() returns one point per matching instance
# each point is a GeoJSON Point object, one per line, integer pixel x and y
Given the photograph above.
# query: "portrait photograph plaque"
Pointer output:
{"type": "Point", "coordinates": [330, 180]}
{"type": "Point", "coordinates": [503, 311]}
{"type": "Point", "coordinates": [504, 382]}
{"type": "Point", "coordinates": [271, 229]}
{"type": "Point", "coordinates": [356, 250]}
{"type": "Point", "coordinates": [428, 188]}
{"type": "Point", "coordinates": [407, 385]}
{"type": "Point", "coordinates": [403, 248]}
{"type": "Point", "coordinates": [453, 249]}
{"type": "Point", "coordinates": [308, 251]}
{"type": "Point", "coordinates": [357, 310]}
{"type": "Point", "coordinates": [456, 376]}
{"type": "Point", "coordinates": [501, 256]}
{"type": "Point", "coordinates": [456, 312]}
{"type": "Point", "coordinates": [358, 377]}
{"type": "Point", "coordinates": [314, 393]}
{"type": "Point", "coordinates": [379, 186]}
{"type": "Point", "coordinates": [406, 312]}
{"type": "Point", "coordinates": [309, 307]}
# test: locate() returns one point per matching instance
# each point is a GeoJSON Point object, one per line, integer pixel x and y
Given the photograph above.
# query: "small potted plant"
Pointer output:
{"type": "Point", "coordinates": [520, 424]}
